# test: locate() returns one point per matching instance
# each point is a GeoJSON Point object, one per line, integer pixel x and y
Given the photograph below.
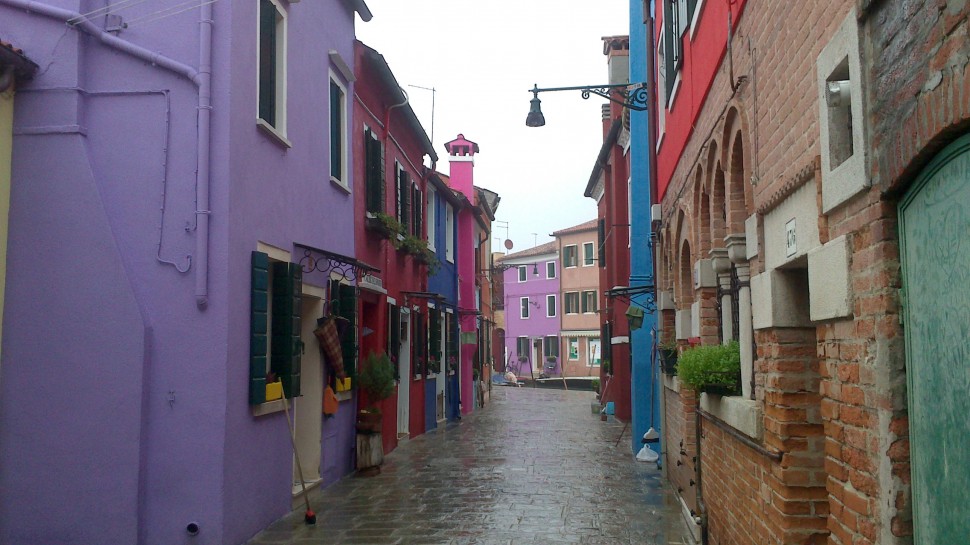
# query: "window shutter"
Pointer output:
{"type": "Point", "coordinates": [347, 308]}
{"type": "Point", "coordinates": [287, 346]}
{"type": "Point", "coordinates": [258, 321]}
{"type": "Point", "coordinates": [606, 332]}
{"type": "Point", "coordinates": [670, 34]}
{"type": "Point", "coordinates": [691, 6]}
{"type": "Point", "coordinates": [336, 128]}
{"type": "Point", "coordinates": [406, 201]}
{"type": "Point", "coordinates": [434, 319]}
{"type": "Point", "coordinates": [421, 345]}
{"type": "Point", "coordinates": [394, 339]}
{"type": "Point", "coordinates": [375, 172]}
{"type": "Point", "coordinates": [601, 238]}
{"type": "Point", "coordinates": [267, 62]}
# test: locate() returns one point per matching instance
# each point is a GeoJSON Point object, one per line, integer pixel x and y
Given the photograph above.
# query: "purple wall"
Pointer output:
{"type": "Point", "coordinates": [536, 288]}
{"type": "Point", "coordinates": [116, 390]}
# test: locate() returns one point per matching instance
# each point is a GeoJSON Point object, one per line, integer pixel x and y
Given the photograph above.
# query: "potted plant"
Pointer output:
{"type": "Point", "coordinates": [434, 366]}
{"type": "Point", "coordinates": [595, 384]}
{"type": "Point", "coordinates": [376, 379]}
{"type": "Point", "coordinates": [714, 369]}
{"type": "Point", "coordinates": [607, 368]}
{"type": "Point", "coordinates": [452, 365]}
{"type": "Point", "coordinates": [667, 354]}
{"type": "Point", "coordinates": [387, 225]}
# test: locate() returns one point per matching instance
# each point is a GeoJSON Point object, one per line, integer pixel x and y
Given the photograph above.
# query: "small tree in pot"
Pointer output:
{"type": "Point", "coordinates": [714, 369]}
{"type": "Point", "coordinates": [376, 379]}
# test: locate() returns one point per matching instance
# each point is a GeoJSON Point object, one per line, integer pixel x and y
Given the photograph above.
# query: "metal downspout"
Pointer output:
{"type": "Point", "coordinates": [200, 78]}
{"type": "Point", "coordinates": [202, 211]}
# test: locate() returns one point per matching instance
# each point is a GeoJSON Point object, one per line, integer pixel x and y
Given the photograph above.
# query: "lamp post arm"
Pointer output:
{"type": "Point", "coordinates": [635, 98]}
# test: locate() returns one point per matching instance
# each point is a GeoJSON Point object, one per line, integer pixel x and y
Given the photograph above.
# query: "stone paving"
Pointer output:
{"type": "Point", "coordinates": [534, 466]}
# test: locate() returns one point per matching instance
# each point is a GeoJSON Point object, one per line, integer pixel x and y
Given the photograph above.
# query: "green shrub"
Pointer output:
{"type": "Point", "coordinates": [595, 383]}
{"type": "Point", "coordinates": [715, 367]}
{"type": "Point", "coordinates": [376, 377]}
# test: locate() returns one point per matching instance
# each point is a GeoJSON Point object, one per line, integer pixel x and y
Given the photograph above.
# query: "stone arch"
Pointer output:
{"type": "Point", "coordinates": [702, 217]}
{"type": "Point", "coordinates": [739, 197]}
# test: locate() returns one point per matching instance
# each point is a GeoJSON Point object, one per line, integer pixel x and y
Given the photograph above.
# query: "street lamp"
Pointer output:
{"type": "Point", "coordinates": [632, 96]}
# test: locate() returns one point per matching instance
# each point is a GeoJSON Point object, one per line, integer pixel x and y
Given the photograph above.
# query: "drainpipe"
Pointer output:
{"type": "Point", "coordinates": [200, 78]}
{"type": "Point", "coordinates": [202, 211]}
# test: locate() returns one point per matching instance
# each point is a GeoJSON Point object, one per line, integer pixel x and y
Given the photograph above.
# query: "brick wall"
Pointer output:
{"type": "Point", "coordinates": [680, 443]}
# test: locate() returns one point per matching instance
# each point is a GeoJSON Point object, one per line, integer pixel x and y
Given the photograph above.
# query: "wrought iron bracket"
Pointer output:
{"type": "Point", "coordinates": [330, 263]}
{"type": "Point", "coordinates": [644, 297]}
{"type": "Point", "coordinates": [633, 95]}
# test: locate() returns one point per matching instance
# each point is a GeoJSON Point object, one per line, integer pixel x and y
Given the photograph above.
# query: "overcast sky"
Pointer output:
{"type": "Point", "coordinates": [482, 57]}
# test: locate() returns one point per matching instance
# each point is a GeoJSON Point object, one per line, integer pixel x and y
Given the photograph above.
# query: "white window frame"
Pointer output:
{"type": "Point", "coordinates": [277, 130]}
{"type": "Point", "coordinates": [449, 233]}
{"type": "Point", "coordinates": [565, 307]}
{"type": "Point", "coordinates": [344, 180]}
{"type": "Point", "coordinates": [592, 361]}
{"type": "Point", "coordinates": [582, 298]}
{"type": "Point", "coordinates": [431, 218]}
{"type": "Point", "coordinates": [589, 256]}
{"type": "Point", "coordinates": [565, 263]}
{"type": "Point", "coordinates": [548, 263]}
{"type": "Point", "coordinates": [696, 17]}
{"type": "Point", "coordinates": [524, 308]}
{"type": "Point", "coordinates": [550, 306]}
{"type": "Point", "coordinates": [523, 273]}
{"type": "Point", "coordinates": [570, 342]}
{"type": "Point", "coordinates": [661, 86]}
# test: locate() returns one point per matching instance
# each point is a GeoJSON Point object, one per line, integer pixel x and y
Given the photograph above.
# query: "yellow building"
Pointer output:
{"type": "Point", "coordinates": [14, 68]}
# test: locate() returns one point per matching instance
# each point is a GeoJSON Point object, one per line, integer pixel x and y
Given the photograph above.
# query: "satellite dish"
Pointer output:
{"type": "Point", "coordinates": [508, 244]}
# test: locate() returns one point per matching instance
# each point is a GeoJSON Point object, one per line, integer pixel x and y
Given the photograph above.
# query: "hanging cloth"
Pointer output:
{"type": "Point", "coordinates": [326, 333]}
{"type": "Point", "coordinates": [330, 402]}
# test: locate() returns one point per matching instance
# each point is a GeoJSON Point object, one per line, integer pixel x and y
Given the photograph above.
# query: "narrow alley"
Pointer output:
{"type": "Point", "coordinates": [535, 466]}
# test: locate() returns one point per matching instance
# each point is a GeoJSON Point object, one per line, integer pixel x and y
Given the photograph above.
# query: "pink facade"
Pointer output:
{"type": "Point", "coordinates": [579, 334]}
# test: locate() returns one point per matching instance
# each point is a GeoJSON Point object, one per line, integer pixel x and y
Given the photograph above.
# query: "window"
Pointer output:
{"type": "Point", "coordinates": [550, 346]}
{"type": "Point", "coordinates": [338, 133]}
{"type": "Point", "coordinates": [674, 12]}
{"type": "Point", "coordinates": [523, 307]}
{"type": "Point", "coordinates": [343, 303]}
{"type": "Point", "coordinates": [550, 306]}
{"type": "Point", "coordinates": [403, 180]}
{"type": "Point", "coordinates": [523, 274]}
{"type": "Point", "coordinates": [417, 217]}
{"type": "Point", "coordinates": [432, 215]}
{"type": "Point", "coordinates": [271, 67]}
{"type": "Point", "coordinates": [550, 269]}
{"type": "Point", "coordinates": [589, 301]}
{"type": "Point", "coordinates": [601, 242]}
{"type": "Point", "coordinates": [569, 258]}
{"type": "Point", "coordinates": [594, 355]}
{"type": "Point", "coordinates": [275, 347]}
{"type": "Point", "coordinates": [573, 348]}
{"type": "Point", "coordinates": [449, 233]}
{"type": "Point", "coordinates": [571, 302]}
{"type": "Point", "coordinates": [522, 347]}
{"type": "Point", "coordinates": [374, 171]}
{"type": "Point", "coordinates": [588, 257]}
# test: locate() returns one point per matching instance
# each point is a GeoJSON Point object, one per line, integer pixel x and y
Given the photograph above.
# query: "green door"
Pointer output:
{"type": "Point", "coordinates": [935, 245]}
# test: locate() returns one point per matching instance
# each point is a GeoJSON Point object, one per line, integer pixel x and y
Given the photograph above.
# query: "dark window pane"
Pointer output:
{"type": "Point", "coordinates": [267, 62]}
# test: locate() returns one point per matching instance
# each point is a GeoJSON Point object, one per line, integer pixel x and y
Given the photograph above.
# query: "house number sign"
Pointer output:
{"type": "Point", "coordinates": [791, 247]}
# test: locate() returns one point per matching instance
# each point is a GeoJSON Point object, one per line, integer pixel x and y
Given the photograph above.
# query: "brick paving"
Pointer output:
{"type": "Point", "coordinates": [534, 466]}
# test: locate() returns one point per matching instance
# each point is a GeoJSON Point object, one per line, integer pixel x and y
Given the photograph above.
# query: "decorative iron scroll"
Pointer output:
{"type": "Point", "coordinates": [347, 268]}
{"type": "Point", "coordinates": [644, 297]}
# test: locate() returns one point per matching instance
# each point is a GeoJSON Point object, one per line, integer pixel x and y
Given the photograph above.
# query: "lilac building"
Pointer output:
{"type": "Point", "coordinates": [532, 310]}
{"type": "Point", "coordinates": [170, 170]}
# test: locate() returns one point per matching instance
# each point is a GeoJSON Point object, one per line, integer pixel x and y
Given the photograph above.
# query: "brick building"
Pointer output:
{"type": "Point", "coordinates": [812, 159]}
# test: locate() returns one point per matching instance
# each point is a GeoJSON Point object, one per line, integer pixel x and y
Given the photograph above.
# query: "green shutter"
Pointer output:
{"type": "Point", "coordinates": [286, 346]}
{"type": "Point", "coordinates": [347, 307]}
{"type": "Point", "coordinates": [336, 131]}
{"type": "Point", "coordinates": [375, 172]}
{"type": "Point", "coordinates": [670, 34]}
{"type": "Point", "coordinates": [258, 320]}
{"type": "Point", "coordinates": [394, 337]}
{"type": "Point", "coordinates": [601, 238]}
{"type": "Point", "coordinates": [435, 326]}
{"type": "Point", "coordinates": [267, 62]}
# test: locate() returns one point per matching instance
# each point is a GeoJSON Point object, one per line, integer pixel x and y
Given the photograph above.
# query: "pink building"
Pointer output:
{"type": "Point", "coordinates": [579, 330]}
{"type": "Point", "coordinates": [531, 285]}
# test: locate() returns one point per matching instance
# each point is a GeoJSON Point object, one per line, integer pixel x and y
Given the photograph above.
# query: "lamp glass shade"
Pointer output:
{"type": "Point", "coordinates": [535, 117]}
{"type": "Point", "coordinates": [535, 269]}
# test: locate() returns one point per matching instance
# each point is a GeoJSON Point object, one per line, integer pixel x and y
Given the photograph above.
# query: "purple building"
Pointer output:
{"type": "Point", "coordinates": [173, 174]}
{"type": "Point", "coordinates": [532, 310]}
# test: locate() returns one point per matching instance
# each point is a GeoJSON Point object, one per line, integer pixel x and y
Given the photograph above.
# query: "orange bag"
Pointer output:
{"type": "Point", "coordinates": [330, 402]}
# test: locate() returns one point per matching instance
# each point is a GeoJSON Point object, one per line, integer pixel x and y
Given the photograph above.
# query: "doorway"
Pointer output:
{"type": "Point", "coordinates": [404, 372]}
{"type": "Point", "coordinates": [934, 220]}
{"type": "Point", "coordinates": [307, 413]}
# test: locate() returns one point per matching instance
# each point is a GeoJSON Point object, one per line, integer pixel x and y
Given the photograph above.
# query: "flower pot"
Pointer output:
{"type": "Point", "coordinates": [668, 361]}
{"type": "Point", "coordinates": [369, 422]}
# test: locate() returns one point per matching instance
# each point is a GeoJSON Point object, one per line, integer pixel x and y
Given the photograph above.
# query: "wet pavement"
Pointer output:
{"type": "Point", "coordinates": [534, 466]}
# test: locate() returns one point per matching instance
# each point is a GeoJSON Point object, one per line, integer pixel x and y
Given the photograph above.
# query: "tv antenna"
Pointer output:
{"type": "Point", "coordinates": [433, 92]}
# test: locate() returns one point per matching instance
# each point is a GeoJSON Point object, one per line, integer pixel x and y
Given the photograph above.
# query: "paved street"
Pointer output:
{"type": "Point", "coordinates": [535, 466]}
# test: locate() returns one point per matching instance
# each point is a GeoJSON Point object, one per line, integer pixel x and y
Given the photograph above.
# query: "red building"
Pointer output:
{"type": "Point", "coordinates": [609, 185]}
{"type": "Point", "coordinates": [390, 185]}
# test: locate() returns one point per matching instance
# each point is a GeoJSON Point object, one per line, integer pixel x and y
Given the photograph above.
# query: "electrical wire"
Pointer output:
{"type": "Point", "coordinates": [124, 4]}
{"type": "Point", "coordinates": [168, 12]}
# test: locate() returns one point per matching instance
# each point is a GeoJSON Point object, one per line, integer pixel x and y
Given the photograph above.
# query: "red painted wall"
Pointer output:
{"type": "Point", "coordinates": [702, 56]}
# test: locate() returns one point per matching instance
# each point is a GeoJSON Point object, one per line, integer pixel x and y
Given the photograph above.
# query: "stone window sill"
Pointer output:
{"type": "Point", "coordinates": [275, 135]}
{"type": "Point", "coordinates": [744, 415]}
